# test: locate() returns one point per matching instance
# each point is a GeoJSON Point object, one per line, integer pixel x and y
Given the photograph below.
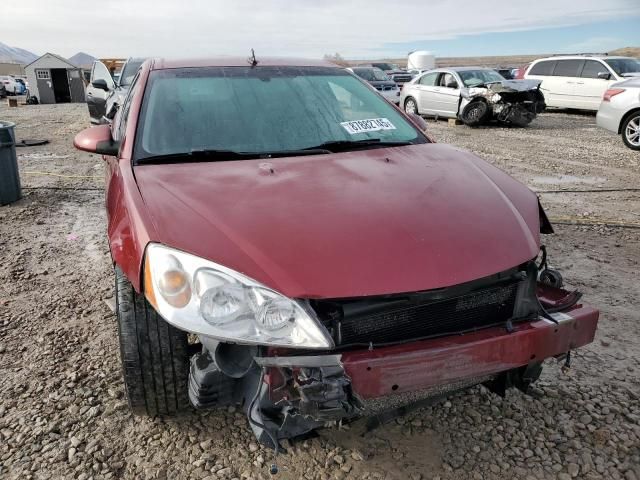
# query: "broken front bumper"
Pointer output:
{"type": "Point", "coordinates": [369, 381]}
{"type": "Point", "coordinates": [432, 363]}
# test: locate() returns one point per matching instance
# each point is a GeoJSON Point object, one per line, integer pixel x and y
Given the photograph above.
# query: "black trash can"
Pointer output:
{"type": "Point", "coordinates": [10, 190]}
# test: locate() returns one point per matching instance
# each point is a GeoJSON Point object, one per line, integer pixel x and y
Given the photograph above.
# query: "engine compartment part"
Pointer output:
{"type": "Point", "coordinates": [506, 297]}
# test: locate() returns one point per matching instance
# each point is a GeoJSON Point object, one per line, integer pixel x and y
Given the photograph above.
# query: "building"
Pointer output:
{"type": "Point", "coordinates": [11, 69]}
{"type": "Point", "coordinates": [53, 79]}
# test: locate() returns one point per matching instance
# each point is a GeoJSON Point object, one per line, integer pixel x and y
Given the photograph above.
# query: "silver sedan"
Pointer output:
{"type": "Point", "coordinates": [619, 111]}
{"type": "Point", "coordinates": [475, 95]}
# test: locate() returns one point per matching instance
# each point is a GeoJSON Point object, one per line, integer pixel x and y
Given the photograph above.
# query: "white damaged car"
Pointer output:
{"type": "Point", "coordinates": [474, 95]}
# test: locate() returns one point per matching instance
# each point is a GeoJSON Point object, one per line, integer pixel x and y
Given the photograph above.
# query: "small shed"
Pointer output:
{"type": "Point", "coordinates": [53, 79]}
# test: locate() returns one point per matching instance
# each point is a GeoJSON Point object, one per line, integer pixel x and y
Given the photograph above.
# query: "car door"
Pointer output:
{"type": "Point", "coordinates": [97, 97]}
{"type": "Point", "coordinates": [566, 75]}
{"type": "Point", "coordinates": [446, 95]}
{"type": "Point", "coordinates": [590, 87]}
{"type": "Point", "coordinates": [424, 88]}
{"type": "Point", "coordinates": [542, 70]}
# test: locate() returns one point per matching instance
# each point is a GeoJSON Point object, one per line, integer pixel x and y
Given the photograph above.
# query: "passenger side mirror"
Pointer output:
{"type": "Point", "coordinates": [604, 75]}
{"type": "Point", "coordinates": [97, 140]}
{"type": "Point", "coordinates": [419, 121]}
{"type": "Point", "coordinates": [101, 84]}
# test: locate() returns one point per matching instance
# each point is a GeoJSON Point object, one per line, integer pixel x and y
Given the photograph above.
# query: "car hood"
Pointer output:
{"type": "Point", "coordinates": [370, 222]}
{"type": "Point", "coordinates": [505, 86]}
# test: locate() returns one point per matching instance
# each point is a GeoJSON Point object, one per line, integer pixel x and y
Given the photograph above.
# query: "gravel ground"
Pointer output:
{"type": "Point", "coordinates": [62, 411]}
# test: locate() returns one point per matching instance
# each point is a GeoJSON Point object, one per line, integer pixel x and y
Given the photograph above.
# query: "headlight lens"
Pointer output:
{"type": "Point", "coordinates": [209, 299]}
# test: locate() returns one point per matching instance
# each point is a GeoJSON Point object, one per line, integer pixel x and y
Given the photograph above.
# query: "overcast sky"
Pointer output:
{"type": "Point", "coordinates": [354, 28]}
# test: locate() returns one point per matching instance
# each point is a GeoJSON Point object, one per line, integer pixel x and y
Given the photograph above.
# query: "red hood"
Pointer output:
{"type": "Point", "coordinates": [358, 223]}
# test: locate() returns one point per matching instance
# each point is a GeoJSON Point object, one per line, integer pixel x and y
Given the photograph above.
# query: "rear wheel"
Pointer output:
{"type": "Point", "coordinates": [410, 106]}
{"type": "Point", "coordinates": [154, 355]}
{"type": "Point", "coordinates": [631, 131]}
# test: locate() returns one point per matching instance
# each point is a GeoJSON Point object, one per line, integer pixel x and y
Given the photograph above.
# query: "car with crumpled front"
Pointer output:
{"type": "Point", "coordinates": [474, 95]}
{"type": "Point", "coordinates": [285, 240]}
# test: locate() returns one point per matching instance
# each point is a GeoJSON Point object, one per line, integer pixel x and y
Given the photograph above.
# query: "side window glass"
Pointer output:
{"type": "Point", "coordinates": [592, 68]}
{"type": "Point", "coordinates": [123, 114]}
{"type": "Point", "coordinates": [448, 81]}
{"type": "Point", "coordinates": [544, 68]}
{"type": "Point", "coordinates": [429, 79]}
{"type": "Point", "coordinates": [568, 68]}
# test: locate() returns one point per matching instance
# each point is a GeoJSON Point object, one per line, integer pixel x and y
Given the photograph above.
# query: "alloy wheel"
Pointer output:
{"type": "Point", "coordinates": [410, 106]}
{"type": "Point", "coordinates": [632, 131]}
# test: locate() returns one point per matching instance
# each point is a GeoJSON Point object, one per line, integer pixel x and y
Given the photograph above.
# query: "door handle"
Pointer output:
{"type": "Point", "coordinates": [579, 83]}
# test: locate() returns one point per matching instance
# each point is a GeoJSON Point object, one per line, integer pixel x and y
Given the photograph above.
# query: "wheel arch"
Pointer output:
{"type": "Point", "coordinates": [625, 117]}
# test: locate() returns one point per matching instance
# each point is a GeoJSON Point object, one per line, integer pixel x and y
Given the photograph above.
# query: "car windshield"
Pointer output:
{"type": "Point", "coordinates": [623, 65]}
{"type": "Point", "coordinates": [474, 78]}
{"type": "Point", "coordinates": [129, 71]}
{"type": "Point", "coordinates": [263, 109]}
{"type": "Point", "coordinates": [385, 66]}
{"type": "Point", "coordinates": [371, 74]}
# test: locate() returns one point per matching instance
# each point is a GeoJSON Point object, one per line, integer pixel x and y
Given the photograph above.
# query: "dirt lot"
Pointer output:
{"type": "Point", "coordinates": [62, 412]}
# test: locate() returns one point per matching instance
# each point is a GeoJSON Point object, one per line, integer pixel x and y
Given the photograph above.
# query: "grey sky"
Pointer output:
{"type": "Point", "coordinates": [355, 28]}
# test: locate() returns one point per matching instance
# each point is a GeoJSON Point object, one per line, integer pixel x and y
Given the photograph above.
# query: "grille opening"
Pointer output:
{"type": "Point", "coordinates": [408, 317]}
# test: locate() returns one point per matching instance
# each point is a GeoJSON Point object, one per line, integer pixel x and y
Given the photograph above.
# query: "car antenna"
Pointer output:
{"type": "Point", "coordinates": [252, 59]}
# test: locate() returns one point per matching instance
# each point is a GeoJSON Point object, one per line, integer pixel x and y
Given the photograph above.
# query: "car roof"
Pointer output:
{"type": "Point", "coordinates": [583, 57]}
{"type": "Point", "coordinates": [222, 61]}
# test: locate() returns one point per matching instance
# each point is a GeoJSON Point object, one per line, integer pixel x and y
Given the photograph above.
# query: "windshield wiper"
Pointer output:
{"type": "Point", "coordinates": [226, 155]}
{"type": "Point", "coordinates": [343, 145]}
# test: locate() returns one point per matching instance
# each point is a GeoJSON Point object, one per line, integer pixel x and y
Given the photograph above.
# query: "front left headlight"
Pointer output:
{"type": "Point", "coordinates": [205, 298]}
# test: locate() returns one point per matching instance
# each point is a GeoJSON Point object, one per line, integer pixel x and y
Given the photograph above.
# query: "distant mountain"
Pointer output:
{"type": "Point", "coordinates": [82, 59]}
{"type": "Point", "coordinates": [626, 52]}
{"type": "Point", "coordinates": [15, 55]}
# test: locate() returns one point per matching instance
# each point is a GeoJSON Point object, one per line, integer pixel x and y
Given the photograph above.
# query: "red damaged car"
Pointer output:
{"type": "Point", "coordinates": [286, 240]}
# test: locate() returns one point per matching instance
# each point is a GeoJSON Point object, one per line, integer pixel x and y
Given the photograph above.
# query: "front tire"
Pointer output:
{"type": "Point", "coordinates": [631, 131]}
{"type": "Point", "coordinates": [476, 113]}
{"type": "Point", "coordinates": [411, 106]}
{"type": "Point", "coordinates": [154, 355]}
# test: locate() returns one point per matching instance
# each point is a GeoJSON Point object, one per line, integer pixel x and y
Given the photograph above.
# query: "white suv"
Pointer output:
{"type": "Point", "coordinates": [579, 81]}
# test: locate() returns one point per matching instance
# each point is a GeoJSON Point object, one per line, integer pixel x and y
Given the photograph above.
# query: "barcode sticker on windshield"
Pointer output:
{"type": "Point", "coordinates": [370, 125]}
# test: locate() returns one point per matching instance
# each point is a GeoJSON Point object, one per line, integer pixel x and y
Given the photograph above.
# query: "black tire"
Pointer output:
{"type": "Point", "coordinates": [154, 355]}
{"type": "Point", "coordinates": [631, 123]}
{"type": "Point", "coordinates": [408, 101]}
{"type": "Point", "coordinates": [476, 113]}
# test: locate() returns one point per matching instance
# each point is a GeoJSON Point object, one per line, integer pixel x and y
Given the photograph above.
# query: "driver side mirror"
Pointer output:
{"type": "Point", "coordinates": [101, 84]}
{"type": "Point", "coordinates": [604, 75]}
{"type": "Point", "coordinates": [419, 121]}
{"type": "Point", "coordinates": [97, 140]}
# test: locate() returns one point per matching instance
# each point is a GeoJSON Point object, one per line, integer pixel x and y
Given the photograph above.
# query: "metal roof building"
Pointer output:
{"type": "Point", "coordinates": [53, 79]}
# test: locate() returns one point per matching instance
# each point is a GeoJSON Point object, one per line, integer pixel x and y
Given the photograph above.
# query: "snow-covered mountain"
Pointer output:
{"type": "Point", "coordinates": [15, 55]}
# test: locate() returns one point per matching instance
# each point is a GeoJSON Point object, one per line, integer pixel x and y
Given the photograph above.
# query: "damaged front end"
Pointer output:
{"type": "Point", "coordinates": [513, 102]}
{"type": "Point", "coordinates": [394, 351]}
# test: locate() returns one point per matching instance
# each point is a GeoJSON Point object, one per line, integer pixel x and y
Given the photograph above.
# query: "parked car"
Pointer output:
{"type": "Point", "coordinates": [579, 81]}
{"type": "Point", "coordinates": [11, 86]}
{"type": "Point", "coordinates": [474, 95]}
{"type": "Point", "coordinates": [21, 86]}
{"type": "Point", "coordinates": [329, 259]}
{"type": "Point", "coordinates": [507, 73]}
{"type": "Point", "coordinates": [105, 93]}
{"type": "Point", "coordinates": [380, 81]}
{"type": "Point", "coordinates": [394, 72]}
{"type": "Point", "coordinates": [619, 111]}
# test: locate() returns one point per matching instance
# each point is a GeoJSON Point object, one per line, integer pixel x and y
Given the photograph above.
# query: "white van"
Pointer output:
{"type": "Point", "coordinates": [579, 81]}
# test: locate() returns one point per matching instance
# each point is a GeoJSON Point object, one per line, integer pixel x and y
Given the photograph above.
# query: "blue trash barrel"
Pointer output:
{"type": "Point", "coordinates": [10, 190]}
